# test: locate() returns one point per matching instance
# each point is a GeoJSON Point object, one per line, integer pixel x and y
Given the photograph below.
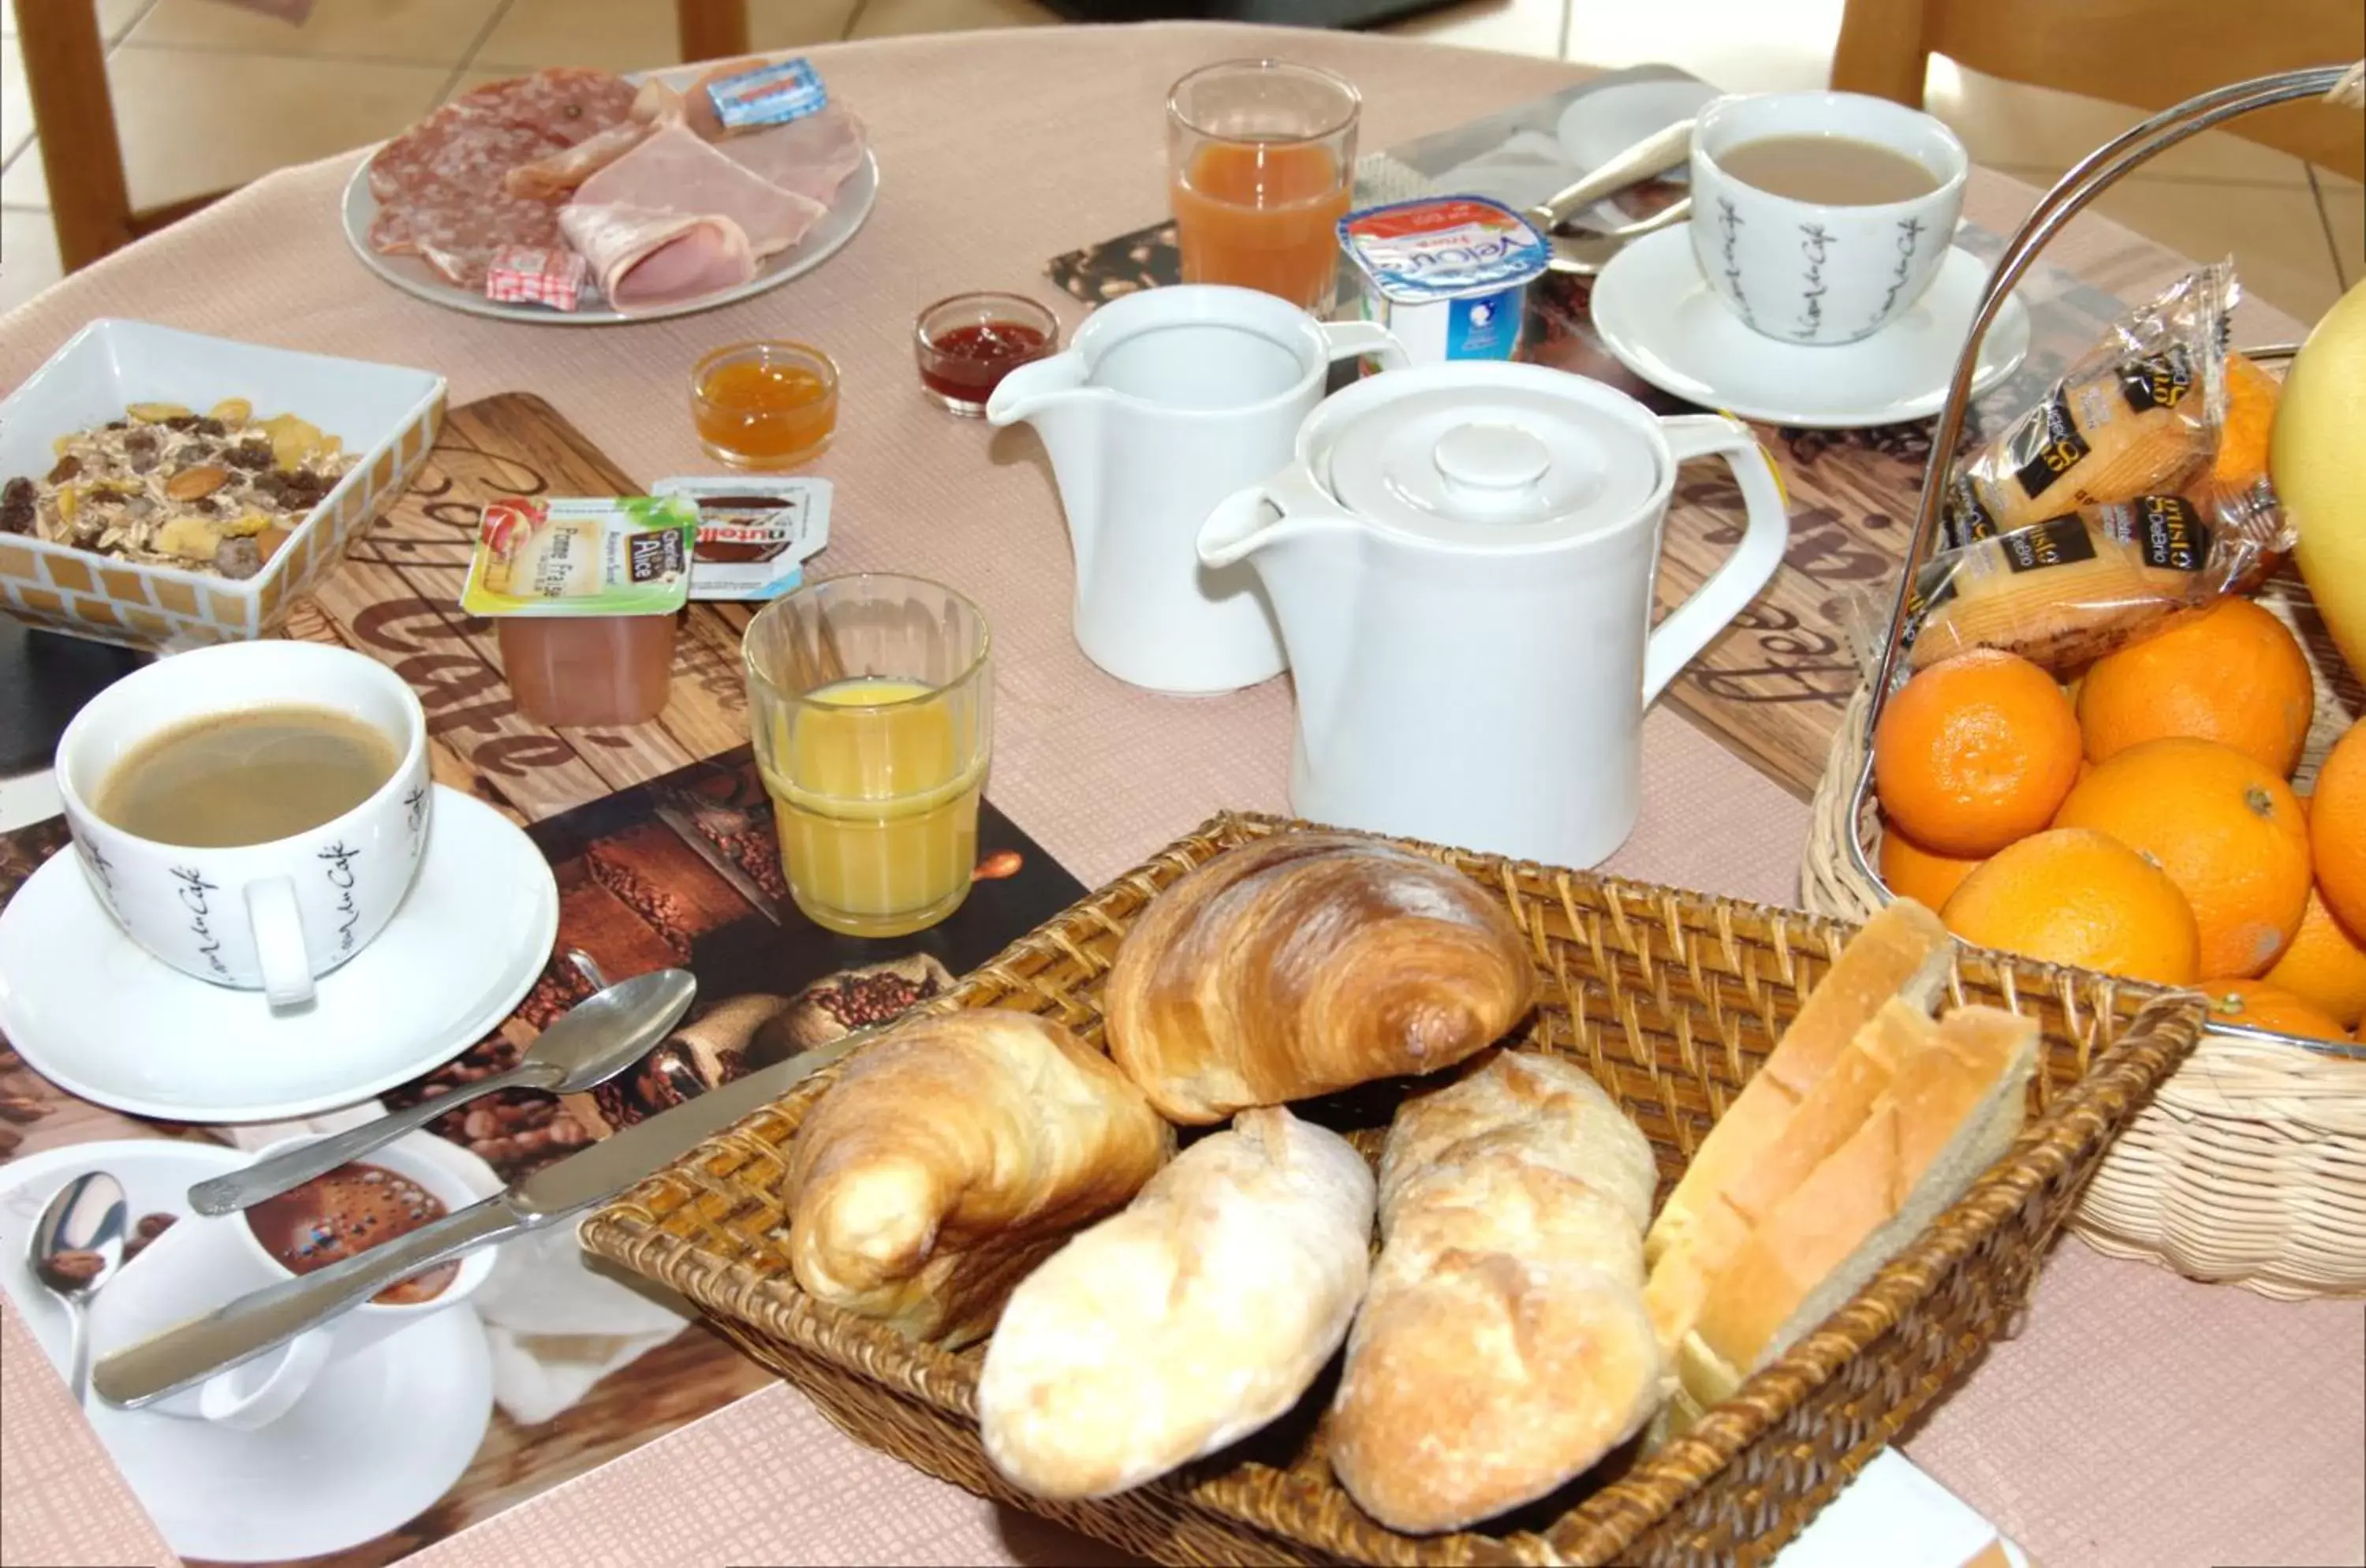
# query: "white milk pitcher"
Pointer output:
{"type": "Point", "coordinates": [1462, 559]}
{"type": "Point", "coordinates": [1168, 400]}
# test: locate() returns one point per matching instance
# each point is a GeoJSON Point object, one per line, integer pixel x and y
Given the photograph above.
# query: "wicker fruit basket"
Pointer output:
{"type": "Point", "coordinates": [1672, 1000]}
{"type": "Point", "coordinates": [2251, 1166]}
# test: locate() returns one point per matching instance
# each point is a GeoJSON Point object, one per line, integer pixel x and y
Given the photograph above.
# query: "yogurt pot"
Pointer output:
{"type": "Point", "coordinates": [1448, 275]}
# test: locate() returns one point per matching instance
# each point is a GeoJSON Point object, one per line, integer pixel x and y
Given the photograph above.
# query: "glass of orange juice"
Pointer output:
{"type": "Point", "coordinates": [871, 699]}
{"type": "Point", "coordinates": [1260, 164]}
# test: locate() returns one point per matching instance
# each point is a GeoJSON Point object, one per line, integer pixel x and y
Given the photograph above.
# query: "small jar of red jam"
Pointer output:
{"type": "Point", "coordinates": [966, 345]}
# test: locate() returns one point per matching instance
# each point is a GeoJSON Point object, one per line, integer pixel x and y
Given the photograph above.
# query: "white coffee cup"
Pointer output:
{"type": "Point", "coordinates": [270, 916]}
{"type": "Point", "coordinates": [202, 1264]}
{"type": "Point", "coordinates": [1810, 273]}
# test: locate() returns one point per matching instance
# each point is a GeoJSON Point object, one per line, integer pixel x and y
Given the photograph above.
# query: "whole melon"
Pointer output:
{"type": "Point", "coordinates": [2318, 458]}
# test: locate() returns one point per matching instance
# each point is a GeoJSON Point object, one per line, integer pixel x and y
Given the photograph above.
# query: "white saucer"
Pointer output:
{"type": "Point", "coordinates": [99, 1018]}
{"type": "Point", "coordinates": [1655, 313]}
{"type": "Point", "coordinates": [373, 1444]}
{"type": "Point", "coordinates": [1599, 125]}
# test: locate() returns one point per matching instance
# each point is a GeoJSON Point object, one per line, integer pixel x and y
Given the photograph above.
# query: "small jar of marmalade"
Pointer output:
{"type": "Point", "coordinates": [966, 345]}
{"type": "Point", "coordinates": [765, 405]}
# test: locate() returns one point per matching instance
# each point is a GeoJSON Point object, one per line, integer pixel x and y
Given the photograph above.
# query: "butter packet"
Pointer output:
{"type": "Point", "coordinates": [596, 556]}
{"type": "Point", "coordinates": [768, 95]}
{"type": "Point", "coordinates": [754, 534]}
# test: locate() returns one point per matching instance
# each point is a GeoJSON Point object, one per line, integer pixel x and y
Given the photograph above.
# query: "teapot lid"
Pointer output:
{"type": "Point", "coordinates": [1515, 459]}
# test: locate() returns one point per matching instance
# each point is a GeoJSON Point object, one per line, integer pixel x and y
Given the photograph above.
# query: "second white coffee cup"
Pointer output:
{"type": "Point", "coordinates": [269, 916]}
{"type": "Point", "coordinates": [1821, 272]}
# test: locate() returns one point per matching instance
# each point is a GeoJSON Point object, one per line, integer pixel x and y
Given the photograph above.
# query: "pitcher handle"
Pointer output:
{"type": "Point", "coordinates": [1349, 339]}
{"type": "Point", "coordinates": [1766, 533]}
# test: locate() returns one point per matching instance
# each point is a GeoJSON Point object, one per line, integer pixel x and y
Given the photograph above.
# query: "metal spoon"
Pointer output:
{"type": "Point", "coordinates": [1586, 253]}
{"type": "Point", "coordinates": [598, 1038]}
{"type": "Point", "coordinates": [77, 1244]}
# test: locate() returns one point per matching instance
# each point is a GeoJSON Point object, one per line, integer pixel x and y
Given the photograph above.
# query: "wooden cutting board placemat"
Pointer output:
{"type": "Point", "coordinates": [397, 598]}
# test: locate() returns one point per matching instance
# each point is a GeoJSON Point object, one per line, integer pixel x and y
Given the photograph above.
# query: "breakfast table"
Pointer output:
{"type": "Point", "coordinates": [2135, 1417]}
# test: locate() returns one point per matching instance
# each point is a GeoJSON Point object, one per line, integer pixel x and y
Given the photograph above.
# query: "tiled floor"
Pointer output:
{"type": "Point", "coordinates": [2298, 233]}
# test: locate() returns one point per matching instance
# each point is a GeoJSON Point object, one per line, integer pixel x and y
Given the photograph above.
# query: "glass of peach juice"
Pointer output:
{"type": "Point", "coordinates": [871, 699]}
{"type": "Point", "coordinates": [1260, 164]}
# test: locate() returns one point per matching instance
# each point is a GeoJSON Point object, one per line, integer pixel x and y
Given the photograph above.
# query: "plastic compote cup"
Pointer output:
{"type": "Point", "coordinates": [871, 699]}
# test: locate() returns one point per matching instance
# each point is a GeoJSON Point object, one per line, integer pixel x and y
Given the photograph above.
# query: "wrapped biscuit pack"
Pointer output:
{"type": "Point", "coordinates": [2136, 490]}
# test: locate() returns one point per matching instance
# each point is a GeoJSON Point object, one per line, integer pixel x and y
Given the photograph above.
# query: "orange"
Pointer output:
{"type": "Point", "coordinates": [2226, 828]}
{"type": "Point", "coordinates": [1924, 875]}
{"type": "Point", "coordinates": [2262, 1006]}
{"type": "Point", "coordinates": [2337, 828]}
{"type": "Point", "coordinates": [2324, 966]}
{"type": "Point", "coordinates": [1975, 752]}
{"type": "Point", "coordinates": [2074, 896]}
{"type": "Point", "coordinates": [2234, 674]}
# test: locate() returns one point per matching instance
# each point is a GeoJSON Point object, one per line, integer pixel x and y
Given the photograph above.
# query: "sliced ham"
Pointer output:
{"type": "Point", "coordinates": [812, 156]}
{"type": "Point", "coordinates": [674, 171]}
{"type": "Point", "coordinates": [551, 178]}
{"type": "Point", "coordinates": [646, 259]}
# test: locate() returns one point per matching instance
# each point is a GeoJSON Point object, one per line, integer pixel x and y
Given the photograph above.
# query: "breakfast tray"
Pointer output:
{"type": "Point", "coordinates": [1671, 1000]}
{"type": "Point", "coordinates": [2250, 1166]}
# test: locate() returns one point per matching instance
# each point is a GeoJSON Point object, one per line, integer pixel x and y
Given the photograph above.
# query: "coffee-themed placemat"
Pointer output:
{"type": "Point", "coordinates": [681, 871]}
{"type": "Point", "coordinates": [662, 840]}
{"type": "Point", "coordinates": [1771, 687]}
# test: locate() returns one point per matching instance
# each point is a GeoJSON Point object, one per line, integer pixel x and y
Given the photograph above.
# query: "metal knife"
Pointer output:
{"type": "Point", "coordinates": [187, 1354]}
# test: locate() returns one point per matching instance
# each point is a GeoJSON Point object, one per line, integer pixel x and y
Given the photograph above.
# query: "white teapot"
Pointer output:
{"type": "Point", "coordinates": [1461, 558]}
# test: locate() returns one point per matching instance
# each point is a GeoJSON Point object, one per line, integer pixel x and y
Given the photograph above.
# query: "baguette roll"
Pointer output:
{"type": "Point", "coordinates": [951, 1157]}
{"type": "Point", "coordinates": [1189, 1321]}
{"type": "Point", "coordinates": [1307, 963]}
{"type": "Point", "coordinates": [1903, 952]}
{"type": "Point", "coordinates": [1505, 1346]}
{"type": "Point", "coordinates": [1952, 1110]}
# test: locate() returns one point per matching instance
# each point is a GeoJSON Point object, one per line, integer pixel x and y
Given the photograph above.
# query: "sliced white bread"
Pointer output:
{"type": "Point", "coordinates": [1950, 1112]}
{"type": "Point", "coordinates": [1903, 952]}
{"type": "Point", "coordinates": [1826, 1118]}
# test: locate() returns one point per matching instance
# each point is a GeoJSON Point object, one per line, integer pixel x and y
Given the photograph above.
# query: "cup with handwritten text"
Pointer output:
{"type": "Point", "coordinates": [1821, 218]}
{"type": "Point", "coordinates": [251, 814]}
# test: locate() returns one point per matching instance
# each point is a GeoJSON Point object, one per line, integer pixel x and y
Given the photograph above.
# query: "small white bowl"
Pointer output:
{"type": "Point", "coordinates": [388, 417]}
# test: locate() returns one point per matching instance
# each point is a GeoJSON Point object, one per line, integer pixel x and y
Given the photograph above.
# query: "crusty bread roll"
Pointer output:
{"type": "Point", "coordinates": [1830, 1114]}
{"type": "Point", "coordinates": [1186, 1322]}
{"type": "Point", "coordinates": [1952, 1109]}
{"type": "Point", "coordinates": [1307, 963]}
{"type": "Point", "coordinates": [1903, 951]}
{"type": "Point", "coordinates": [950, 1157]}
{"type": "Point", "coordinates": [1504, 1347]}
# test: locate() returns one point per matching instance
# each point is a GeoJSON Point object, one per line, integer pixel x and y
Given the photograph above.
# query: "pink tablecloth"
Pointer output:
{"type": "Point", "coordinates": [2139, 1419]}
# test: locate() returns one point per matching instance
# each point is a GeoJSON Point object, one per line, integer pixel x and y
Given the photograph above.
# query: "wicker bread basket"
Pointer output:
{"type": "Point", "coordinates": [2251, 1166]}
{"type": "Point", "coordinates": [1672, 1000]}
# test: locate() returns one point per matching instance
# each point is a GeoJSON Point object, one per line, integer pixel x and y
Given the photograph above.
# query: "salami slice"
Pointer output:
{"type": "Point", "coordinates": [567, 103]}
{"type": "Point", "coordinates": [439, 185]}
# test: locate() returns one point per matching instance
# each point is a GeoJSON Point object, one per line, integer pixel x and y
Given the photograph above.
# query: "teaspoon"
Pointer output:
{"type": "Point", "coordinates": [74, 1248]}
{"type": "Point", "coordinates": [597, 1039]}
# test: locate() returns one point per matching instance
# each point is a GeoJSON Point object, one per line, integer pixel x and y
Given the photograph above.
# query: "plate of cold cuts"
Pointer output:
{"type": "Point", "coordinates": [670, 211]}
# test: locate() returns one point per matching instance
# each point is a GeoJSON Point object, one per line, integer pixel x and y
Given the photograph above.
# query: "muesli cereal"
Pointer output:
{"type": "Point", "coordinates": [215, 492]}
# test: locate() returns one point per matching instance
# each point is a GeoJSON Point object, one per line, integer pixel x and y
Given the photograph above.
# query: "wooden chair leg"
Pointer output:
{"type": "Point", "coordinates": [65, 76]}
{"type": "Point", "coordinates": [711, 30]}
{"type": "Point", "coordinates": [1882, 51]}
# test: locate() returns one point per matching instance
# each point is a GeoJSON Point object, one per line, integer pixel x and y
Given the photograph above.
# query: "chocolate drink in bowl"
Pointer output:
{"type": "Point", "coordinates": [349, 1211]}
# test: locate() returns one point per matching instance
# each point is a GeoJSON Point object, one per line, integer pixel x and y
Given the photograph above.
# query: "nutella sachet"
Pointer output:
{"type": "Point", "coordinates": [754, 534]}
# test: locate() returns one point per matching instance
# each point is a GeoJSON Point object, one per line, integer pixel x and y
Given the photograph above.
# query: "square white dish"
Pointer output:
{"type": "Point", "coordinates": [387, 415]}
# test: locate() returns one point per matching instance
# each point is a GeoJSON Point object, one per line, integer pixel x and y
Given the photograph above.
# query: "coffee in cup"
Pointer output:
{"type": "Point", "coordinates": [1821, 218]}
{"type": "Point", "coordinates": [251, 814]}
